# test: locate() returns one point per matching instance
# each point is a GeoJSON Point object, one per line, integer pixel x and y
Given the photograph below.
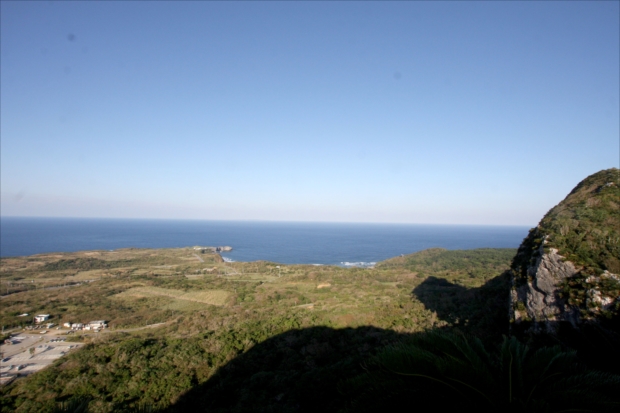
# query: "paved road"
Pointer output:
{"type": "Point", "coordinates": [199, 259]}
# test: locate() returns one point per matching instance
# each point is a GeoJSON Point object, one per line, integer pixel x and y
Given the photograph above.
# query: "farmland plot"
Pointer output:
{"type": "Point", "coordinates": [213, 297]}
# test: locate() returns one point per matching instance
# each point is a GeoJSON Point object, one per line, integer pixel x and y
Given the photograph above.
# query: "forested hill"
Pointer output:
{"type": "Point", "coordinates": [567, 270]}
{"type": "Point", "coordinates": [584, 227]}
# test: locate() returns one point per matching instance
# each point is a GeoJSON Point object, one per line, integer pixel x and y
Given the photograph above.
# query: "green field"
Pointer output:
{"type": "Point", "coordinates": [213, 297]}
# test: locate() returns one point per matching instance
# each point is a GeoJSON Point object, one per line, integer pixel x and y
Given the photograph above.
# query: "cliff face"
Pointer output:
{"type": "Point", "coordinates": [539, 296]}
{"type": "Point", "coordinates": [566, 269]}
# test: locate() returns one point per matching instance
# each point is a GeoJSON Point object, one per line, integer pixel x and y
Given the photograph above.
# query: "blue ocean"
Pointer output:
{"type": "Point", "coordinates": [282, 242]}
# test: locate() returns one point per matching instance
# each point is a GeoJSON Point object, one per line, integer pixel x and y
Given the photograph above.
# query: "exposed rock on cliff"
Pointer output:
{"type": "Point", "coordinates": [566, 269]}
{"type": "Point", "coordinates": [537, 297]}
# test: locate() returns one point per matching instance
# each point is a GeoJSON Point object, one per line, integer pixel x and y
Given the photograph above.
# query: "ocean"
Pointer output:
{"type": "Point", "coordinates": [344, 244]}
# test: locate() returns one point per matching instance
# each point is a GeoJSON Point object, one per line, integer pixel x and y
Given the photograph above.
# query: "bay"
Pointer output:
{"type": "Point", "coordinates": [282, 242]}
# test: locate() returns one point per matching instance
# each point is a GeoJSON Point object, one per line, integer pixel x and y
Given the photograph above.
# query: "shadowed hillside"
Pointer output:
{"type": "Point", "coordinates": [481, 311]}
{"type": "Point", "coordinates": [302, 370]}
{"type": "Point", "coordinates": [297, 371]}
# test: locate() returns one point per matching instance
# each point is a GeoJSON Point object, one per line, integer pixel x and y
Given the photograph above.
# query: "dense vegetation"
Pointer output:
{"type": "Point", "coordinates": [83, 264]}
{"type": "Point", "coordinates": [477, 264]}
{"type": "Point", "coordinates": [584, 227]}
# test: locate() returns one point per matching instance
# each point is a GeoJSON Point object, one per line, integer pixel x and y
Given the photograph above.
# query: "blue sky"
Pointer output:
{"type": "Point", "coordinates": [413, 112]}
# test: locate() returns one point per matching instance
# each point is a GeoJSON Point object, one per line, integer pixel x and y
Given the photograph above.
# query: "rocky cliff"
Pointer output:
{"type": "Point", "coordinates": [566, 269]}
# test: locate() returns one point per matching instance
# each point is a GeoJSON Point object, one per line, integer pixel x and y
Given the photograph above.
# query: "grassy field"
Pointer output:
{"type": "Point", "coordinates": [160, 282]}
{"type": "Point", "coordinates": [213, 297]}
{"type": "Point", "coordinates": [213, 312]}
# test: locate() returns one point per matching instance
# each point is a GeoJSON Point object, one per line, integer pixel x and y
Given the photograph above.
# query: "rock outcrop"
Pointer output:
{"type": "Point", "coordinates": [539, 298]}
{"type": "Point", "coordinates": [566, 268]}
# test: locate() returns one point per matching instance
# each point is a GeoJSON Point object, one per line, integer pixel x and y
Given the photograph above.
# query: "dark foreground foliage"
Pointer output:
{"type": "Point", "coordinates": [318, 369]}
{"type": "Point", "coordinates": [448, 372]}
{"type": "Point", "coordinates": [298, 371]}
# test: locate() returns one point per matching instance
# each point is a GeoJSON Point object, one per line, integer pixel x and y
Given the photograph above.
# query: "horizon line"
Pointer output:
{"type": "Point", "coordinates": [264, 221]}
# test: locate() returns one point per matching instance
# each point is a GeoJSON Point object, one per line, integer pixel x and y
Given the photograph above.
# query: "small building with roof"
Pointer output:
{"type": "Point", "coordinates": [41, 318]}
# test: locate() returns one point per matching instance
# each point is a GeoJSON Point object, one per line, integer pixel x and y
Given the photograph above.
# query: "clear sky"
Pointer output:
{"type": "Point", "coordinates": [413, 112]}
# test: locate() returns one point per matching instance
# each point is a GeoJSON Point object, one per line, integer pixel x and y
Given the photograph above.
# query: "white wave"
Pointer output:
{"type": "Point", "coordinates": [227, 259]}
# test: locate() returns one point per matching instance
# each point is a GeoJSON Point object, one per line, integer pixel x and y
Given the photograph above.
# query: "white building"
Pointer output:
{"type": "Point", "coordinates": [97, 324]}
{"type": "Point", "coordinates": [41, 318]}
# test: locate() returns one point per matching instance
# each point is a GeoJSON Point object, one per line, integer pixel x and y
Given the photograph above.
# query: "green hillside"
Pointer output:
{"type": "Point", "coordinates": [584, 229]}
{"type": "Point", "coordinates": [252, 331]}
{"type": "Point", "coordinates": [585, 226]}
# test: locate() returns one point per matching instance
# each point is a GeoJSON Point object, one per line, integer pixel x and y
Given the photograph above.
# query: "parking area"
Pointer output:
{"type": "Point", "coordinates": [30, 353]}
